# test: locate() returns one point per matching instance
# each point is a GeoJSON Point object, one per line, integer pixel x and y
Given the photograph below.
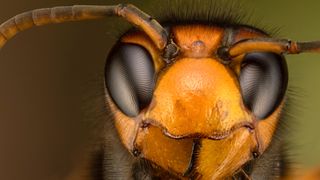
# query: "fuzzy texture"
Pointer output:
{"type": "Point", "coordinates": [113, 161]}
{"type": "Point", "coordinates": [224, 13]}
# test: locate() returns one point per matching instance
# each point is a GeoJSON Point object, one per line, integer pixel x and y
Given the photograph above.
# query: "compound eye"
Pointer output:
{"type": "Point", "coordinates": [130, 78]}
{"type": "Point", "coordinates": [263, 82]}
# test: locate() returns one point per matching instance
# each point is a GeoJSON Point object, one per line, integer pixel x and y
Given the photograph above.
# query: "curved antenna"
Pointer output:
{"type": "Point", "coordinates": [283, 46]}
{"type": "Point", "coordinates": [62, 14]}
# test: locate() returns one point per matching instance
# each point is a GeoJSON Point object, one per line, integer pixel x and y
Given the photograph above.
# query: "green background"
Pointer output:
{"type": "Point", "coordinates": [44, 72]}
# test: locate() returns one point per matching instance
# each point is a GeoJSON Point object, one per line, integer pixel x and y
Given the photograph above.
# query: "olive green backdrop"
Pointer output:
{"type": "Point", "coordinates": [45, 71]}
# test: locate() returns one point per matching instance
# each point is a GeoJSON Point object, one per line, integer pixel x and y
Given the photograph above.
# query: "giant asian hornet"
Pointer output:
{"type": "Point", "coordinates": [195, 95]}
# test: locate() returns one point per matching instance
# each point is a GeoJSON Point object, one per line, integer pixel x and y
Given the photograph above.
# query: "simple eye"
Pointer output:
{"type": "Point", "coordinates": [130, 78]}
{"type": "Point", "coordinates": [263, 81]}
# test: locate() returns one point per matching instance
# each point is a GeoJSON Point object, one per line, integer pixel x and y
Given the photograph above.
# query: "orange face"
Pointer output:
{"type": "Point", "coordinates": [197, 101]}
{"type": "Point", "coordinates": [197, 123]}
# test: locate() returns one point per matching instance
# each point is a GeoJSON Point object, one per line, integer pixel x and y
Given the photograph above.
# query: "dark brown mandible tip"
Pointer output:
{"type": "Point", "coordinates": [62, 14]}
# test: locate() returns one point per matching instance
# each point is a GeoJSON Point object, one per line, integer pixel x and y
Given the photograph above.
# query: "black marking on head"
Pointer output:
{"type": "Point", "coordinates": [223, 54]}
{"type": "Point", "coordinates": [175, 12]}
{"type": "Point", "coordinates": [170, 52]}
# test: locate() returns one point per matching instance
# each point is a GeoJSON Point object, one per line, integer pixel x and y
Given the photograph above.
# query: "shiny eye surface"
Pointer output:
{"type": "Point", "coordinates": [130, 78]}
{"type": "Point", "coordinates": [263, 82]}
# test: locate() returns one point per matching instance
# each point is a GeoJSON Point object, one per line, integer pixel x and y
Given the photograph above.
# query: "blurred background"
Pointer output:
{"type": "Point", "coordinates": [50, 76]}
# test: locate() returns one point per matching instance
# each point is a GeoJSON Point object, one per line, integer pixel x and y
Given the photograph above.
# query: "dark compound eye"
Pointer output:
{"type": "Point", "coordinates": [263, 81]}
{"type": "Point", "coordinates": [130, 78]}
